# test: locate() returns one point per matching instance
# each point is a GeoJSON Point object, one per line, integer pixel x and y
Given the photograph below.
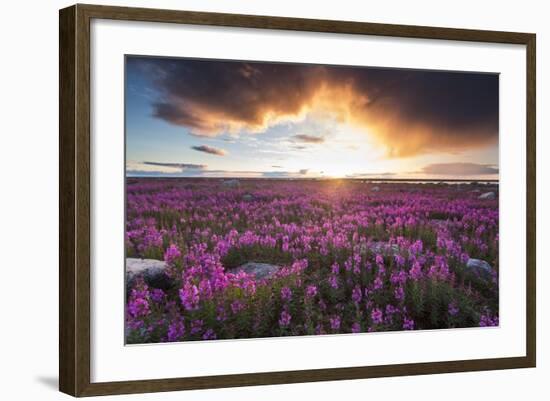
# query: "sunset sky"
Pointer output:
{"type": "Point", "coordinates": [193, 118]}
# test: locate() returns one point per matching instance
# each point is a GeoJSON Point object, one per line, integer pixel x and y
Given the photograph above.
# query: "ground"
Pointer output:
{"type": "Point", "coordinates": [354, 256]}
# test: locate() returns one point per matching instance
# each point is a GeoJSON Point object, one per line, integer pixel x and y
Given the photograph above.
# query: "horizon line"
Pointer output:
{"type": "Point", "coordinates": [321, 178]}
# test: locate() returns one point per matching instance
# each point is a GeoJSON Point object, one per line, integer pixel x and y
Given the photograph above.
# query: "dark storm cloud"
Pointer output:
{"type": "Point", "coordinates": [182, 166]}
{"type": "Point", "coordinates": [408, 112]}
{"type": "Point", "coordinates": [460, 169]}
{"type": "Point", "coordinates": [308, 138]}
{"type": "Point", "coordinates": [210, 150]}
{"type": "Point", "coordinates": [422, 111]}
{"type": "Point", "coordinates": [209, 97]}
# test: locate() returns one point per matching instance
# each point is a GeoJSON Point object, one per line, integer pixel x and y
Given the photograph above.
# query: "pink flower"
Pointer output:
{"type": "Point", "coordinates": [378, 283]}
{"type": "Point", "coordinates": [176, 331]}
{"type": "Point", "coordinates": [416, 271]}
{"type": "Point", "coordinates": [209, 334]}
{"type": "Point", "coordinates": [285, 318]}
{"type": "Point", "coordinates": [335, 268]}
{"type": "Point", "coordinates": [311, 291]}
{"type": "Point", "coordinates": [408, 324]}
{"type": "Point", "coordinates": [138, 307]}
{"type": "Point", "coordinates": [453, 308]}
{"type": "Point", "coordinates": [333, 281]}
{"type": "Point", "coordinates": [335, 323]}
{"type": "Point", "coordinates": [157, 295]}
{"type": "Point", "coordinates": [399, 293]}
{"type": "Point", "coordinates": [172, 255]}
{"type": "Point", "coordinates": [189, 296]}
{"type": "Point", "coordinates": [286, 294]}
{"type": "Point", "coordinates": [377, 316]}
{"type": "Point", "coordinates": [356, 294]}
{"type": "Point", "coordinates": [196, 326]}
{"type": "Point", "coordinates": [487, 320]}
{"type": "Point", "coordinates": [237, 306]}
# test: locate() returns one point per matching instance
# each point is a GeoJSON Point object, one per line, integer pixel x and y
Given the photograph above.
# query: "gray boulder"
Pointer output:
{"type": "Point", "coordinates": [379, 247]}
{"type": "Point", "coordinates": [248, 197]}
{"type": "Point", "coordinates": [153, 272]}
{"type": "Point", "coordinates": [487, 195]}
{"type": "Point", "coordinates": [375, 189]}
{"type": "Point", "coordinates": [259, 270]}
{"type": "Point", "coordinates": [439, 224]}
{"type": "Point", "coordinates": [233, 183]}
{"type": "Point", "coordinates": [480, 267]}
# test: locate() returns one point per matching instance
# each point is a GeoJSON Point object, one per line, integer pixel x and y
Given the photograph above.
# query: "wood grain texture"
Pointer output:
{"type": "Point", "coordinates": [531, 178]}
{"type": "Point", "coordinates": [301, 24]}
{"type": "Point", "coordinates": [74, 206]}
{"type": "Point", "coordinates": [74, 199]}
{"type": "Point", "coordinates": [67, 131]}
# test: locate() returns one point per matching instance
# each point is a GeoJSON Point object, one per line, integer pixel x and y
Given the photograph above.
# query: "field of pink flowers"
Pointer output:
{"type": "Point", "coordinates": [353, 258]}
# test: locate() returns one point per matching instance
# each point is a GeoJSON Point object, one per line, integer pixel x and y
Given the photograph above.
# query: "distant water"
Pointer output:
{"type": "Point", "coordinates": [450, 182]}
{"type": "Point", "coordinates": [364, 180]}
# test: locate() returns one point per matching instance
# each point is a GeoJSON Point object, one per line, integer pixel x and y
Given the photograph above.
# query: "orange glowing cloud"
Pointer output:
{"type": "Point", "coordinates": [406, 112]}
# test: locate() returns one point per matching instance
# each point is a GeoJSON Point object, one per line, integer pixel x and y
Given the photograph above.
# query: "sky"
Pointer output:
{"type": "Point", "coordinates": [222, 118]}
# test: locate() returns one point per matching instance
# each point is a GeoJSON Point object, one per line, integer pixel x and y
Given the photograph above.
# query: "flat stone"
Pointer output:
{"type": "Point", "coordinates": [480, 267]}
{"type": "Point", "coordinates": [259, 270]}
{"type": "Point", "coordinates": [439, 223]}
{"type": "Point", "coordinates": [233, 183]}
{"type": "Point", "coordinates": [153, 272]}
{"type": "Point", "coordinates": [487, 195]}
{"type": "Point", "coordinates": [138, 266]}
{"type": "Point", "coordinates": [379, 247]}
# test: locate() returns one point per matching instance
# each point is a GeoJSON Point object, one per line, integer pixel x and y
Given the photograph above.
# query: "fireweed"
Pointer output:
{"type": "Point", "coordinates": [351, 260]}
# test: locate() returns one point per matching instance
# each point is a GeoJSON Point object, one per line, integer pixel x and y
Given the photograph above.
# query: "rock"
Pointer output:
{"type": "Point", "coordinates": [260, 270]}
{"type": "Point", "coordinates": [439, 224]}
{"type": "Point", "coordinates": [375, 189]}
{"type": "Point", "coordinates": [136, 266]}
{"type": "Point", "coordinates": [233, 183]}
{"type": "Point", "coordinates": [153, 272]}
{"type": "Point", "coordinates": [379, 247]}
{"type": "Point", "coordinates": [248, 197]}
{"type": "Point", "coordinates": [487, 195]}
{"type": "Point", "coordinates": [480, 267]}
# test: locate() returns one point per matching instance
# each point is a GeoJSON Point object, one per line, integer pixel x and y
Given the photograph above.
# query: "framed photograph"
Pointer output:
{"type": "Point", "coordinates": [250, 200]}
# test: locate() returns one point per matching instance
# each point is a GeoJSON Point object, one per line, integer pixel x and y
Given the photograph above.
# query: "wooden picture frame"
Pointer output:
{"type": "Point", "coordinates": [74, 200]}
